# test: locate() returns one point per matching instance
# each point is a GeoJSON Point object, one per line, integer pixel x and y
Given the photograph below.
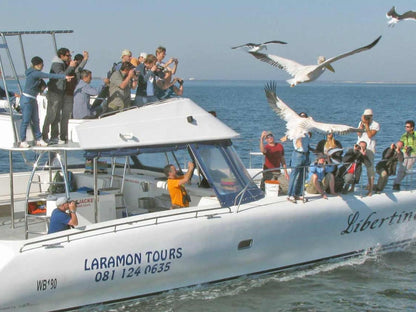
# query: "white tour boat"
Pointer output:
{"type": "Point", "coordinates": [129, 243]}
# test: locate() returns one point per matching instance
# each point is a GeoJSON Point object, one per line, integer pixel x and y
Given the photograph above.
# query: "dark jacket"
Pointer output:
{"type": "Point", "coordinates": [389, 161]}
{"type": "Point", "coordinates": [350, 157]}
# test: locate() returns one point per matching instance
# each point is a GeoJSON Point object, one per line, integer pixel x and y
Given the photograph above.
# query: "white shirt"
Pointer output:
{"type": "Point", "coordinates": [371, 143]}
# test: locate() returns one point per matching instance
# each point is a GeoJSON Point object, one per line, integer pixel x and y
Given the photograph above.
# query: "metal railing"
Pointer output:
{"type": "Point", "coordinates": [113, 228]}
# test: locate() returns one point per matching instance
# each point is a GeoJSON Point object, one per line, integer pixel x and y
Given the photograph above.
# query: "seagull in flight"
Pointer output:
{"type": "Point", "coordinates": [255, 47]}
{"type": "Point", "coordinates": [306, 73]}
{"type": "Point", "coordinates": [298, 125]}
{"type": "Point", "coordinates": [394, 17]}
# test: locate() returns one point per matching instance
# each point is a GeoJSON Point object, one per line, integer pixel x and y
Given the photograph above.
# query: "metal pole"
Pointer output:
{"type": "Point", "coordinates": [95, 190]}
{"type": "Point", "coordinates": [54, 42]}
{"type": "Point", "coordinates": [23, 51]}
{"type": "Point", "coordinates": [11, 188]}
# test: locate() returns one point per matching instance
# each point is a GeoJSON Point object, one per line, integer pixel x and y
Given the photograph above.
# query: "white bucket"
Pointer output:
{"type": "Point", "coordinates": [271, 187]}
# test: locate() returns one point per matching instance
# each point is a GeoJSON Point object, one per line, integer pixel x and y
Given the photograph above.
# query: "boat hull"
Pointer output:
{"type": "Point", "coordinates": [143, 255]}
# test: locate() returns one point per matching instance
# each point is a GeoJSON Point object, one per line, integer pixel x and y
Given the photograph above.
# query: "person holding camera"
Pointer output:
{"type": "Point", "coordinates": [350, 171]}
{"type": "Point", "coordinates": [387, 166]}
{"type": "Point", "coordinates": [178, 195]}
{"type": "Point", "coordinates": [62, 220]}
{"type": "Point", "coordinates": [409, 149]}
{"type": "Point", "coordinates": [148, 72]}
{"type": "Point", "coordinates": [369, 129]}
{"type": "Point", "coordinates": [121, 82]}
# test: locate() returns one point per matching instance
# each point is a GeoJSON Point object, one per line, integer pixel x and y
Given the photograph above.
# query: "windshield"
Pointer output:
{"type": "Point", "coordinates": [225, 172]}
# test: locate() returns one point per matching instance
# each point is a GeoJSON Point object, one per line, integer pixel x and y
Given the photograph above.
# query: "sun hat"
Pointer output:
{"type": "Point", "coordinates": [368, 112]}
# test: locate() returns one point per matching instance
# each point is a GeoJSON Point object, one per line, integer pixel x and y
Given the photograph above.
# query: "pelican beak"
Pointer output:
{"type": "Point", "coordinates": [329, 67]}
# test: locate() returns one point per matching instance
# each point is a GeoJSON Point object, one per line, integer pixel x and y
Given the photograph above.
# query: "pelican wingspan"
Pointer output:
{"type": "Point", "coordinates": [298, 126]}
{"type": "Point", "coordinates": [289, 66]}
{"type": "Point", "coordinates": [338, 57]}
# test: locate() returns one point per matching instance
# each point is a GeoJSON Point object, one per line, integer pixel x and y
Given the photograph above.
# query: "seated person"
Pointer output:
{"type": "Point", "coordinates": [350, 172]}
{"type": "Point", "coordinates": [60, 220]}
{"type": "Point", "coordinates": [387, 166]}
{"type": "Point", "coordinates": [321, 177]}
{"type": "Point", "coordinates": [178, 195]}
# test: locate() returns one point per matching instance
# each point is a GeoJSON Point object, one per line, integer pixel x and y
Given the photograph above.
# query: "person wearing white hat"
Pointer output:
{"type": "Point", "coordinates": [370, 129]}
{"type": "Point", "coordinates": [60, 219]}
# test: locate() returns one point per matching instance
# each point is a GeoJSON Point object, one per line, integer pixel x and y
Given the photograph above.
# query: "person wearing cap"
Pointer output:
{"type": "Point", "coordinates": [121, 83]}
{"type": "Point", "coordinates": [409, 149]}
{"type": "Point", "coordinates": [61, 64]}
{"type": "Point", "coordinates": [60, 219]}
{"type": "Point", "coordinates": [321, 177]}
{"type": "Point", "coordinates": [274, 158]}
{"type": "Point", "coordinates": [141, 58]}
{"type": "Point", "coordinates": [28, 102]}
{"type": "Point", "coordinates": [370, 129]}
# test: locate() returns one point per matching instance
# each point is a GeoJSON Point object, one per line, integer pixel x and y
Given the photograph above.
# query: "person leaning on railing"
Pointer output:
{"type": "Point", "coordinates": [409, 149]}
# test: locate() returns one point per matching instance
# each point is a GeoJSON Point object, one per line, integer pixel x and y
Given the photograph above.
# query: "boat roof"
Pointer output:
{"type": "Point", "coordinates": [174, 121]}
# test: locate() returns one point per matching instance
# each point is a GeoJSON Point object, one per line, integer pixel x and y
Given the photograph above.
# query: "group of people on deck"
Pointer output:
{"type": "Point", "coordinates": [332, 172]}
{"type": "Point", "coordinates": [69, 90]}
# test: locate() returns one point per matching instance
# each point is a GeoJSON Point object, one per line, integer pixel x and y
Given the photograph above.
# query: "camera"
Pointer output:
{"type": "Point", "coordinates": [366, 117]}
{"type": "Point", "coordinates": [409, 149]}
{"type": "Point", "coordinates": [357, 147]}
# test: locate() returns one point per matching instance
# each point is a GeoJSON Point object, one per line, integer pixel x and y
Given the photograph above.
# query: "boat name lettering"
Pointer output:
{"type": "Point", "coordinates": [356, 224]}
{"type": "Point", "coordinates": [132, 259]}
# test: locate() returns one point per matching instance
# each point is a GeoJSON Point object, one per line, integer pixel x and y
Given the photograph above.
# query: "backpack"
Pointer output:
{"type": "Point", "coordinates": [60, 186]}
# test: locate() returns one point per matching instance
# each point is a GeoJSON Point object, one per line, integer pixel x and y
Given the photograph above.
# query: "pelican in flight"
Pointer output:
{"type": "Point", "coordinates": [256, 47]}
{"type": "Point", "coordinates": [394, 17]}
{"type": "Point", "coordinates": [306, 73]}
{"type": "Point", "coordinates": [298, 125]}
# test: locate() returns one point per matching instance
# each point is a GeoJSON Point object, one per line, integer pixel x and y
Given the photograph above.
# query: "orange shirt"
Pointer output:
{"type": "Point", "coordinates": [177, 193]}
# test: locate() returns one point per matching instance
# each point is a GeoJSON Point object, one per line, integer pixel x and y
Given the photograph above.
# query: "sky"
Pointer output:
{"type": "Point", "coordinates": [201, 33]}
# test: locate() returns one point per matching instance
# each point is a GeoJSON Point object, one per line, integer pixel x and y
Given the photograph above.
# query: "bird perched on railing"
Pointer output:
{"type": "Point", "coordinates": [255, 47]}
{"type": "Point", "coordinates": [394, 17]}
{"type": "Point", "coordinates": [298, 125]}
{"type": "Point", "coordinates": [306, 73]}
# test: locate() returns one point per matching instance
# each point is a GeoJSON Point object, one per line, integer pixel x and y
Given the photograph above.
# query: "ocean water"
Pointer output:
{"type": "Point", "coordinates": [368, 283]}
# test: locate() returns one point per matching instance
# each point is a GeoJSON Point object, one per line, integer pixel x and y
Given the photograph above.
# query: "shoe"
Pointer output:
{"type": "Point", "coordinates": [41, 143]}
{"type": "Point", "coordinates": [292, 199]}
{"type": "Point", "coordinates": [56, 141]}
{"type": "Point", "coordinates": [24, 144]}
{"type": "Point", "coordinates": [396, 187]}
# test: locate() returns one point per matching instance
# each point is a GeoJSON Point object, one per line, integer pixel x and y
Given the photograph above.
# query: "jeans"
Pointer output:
{"type": "Point", "coordinates": [66, 114]}
{"type": "Point", "coordinates": [30, 115]}
{"type": "Point", "coordinates": [53, 115]}
{"type": "Point", "coordinates": [407, 164]}
{"type": "Point", "coordinates": [297, 176]}
{"type": "Point", "coordinates": [144, 100]}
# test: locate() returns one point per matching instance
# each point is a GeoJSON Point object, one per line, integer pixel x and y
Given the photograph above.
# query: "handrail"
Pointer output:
{"type": "Point", "coordinates": [114, 227]}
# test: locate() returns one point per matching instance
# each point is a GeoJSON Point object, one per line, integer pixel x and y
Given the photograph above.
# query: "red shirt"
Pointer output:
{"type": "Point", "coordinates": [273, 155]}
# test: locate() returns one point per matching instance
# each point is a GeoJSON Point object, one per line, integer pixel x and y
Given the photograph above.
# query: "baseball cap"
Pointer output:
{"type": "Point", "coordinates": [125, 52]}
{"type": "Point", "coordinates": [143, 54]}
{"type": "Point", "coordinates": [61, 201]}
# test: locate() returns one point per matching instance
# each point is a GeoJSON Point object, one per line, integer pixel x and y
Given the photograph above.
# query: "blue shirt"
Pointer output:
{"type": "Point", "coordinates": [59, 221]}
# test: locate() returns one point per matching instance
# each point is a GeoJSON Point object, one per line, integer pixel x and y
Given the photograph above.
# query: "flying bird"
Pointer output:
{"type": "Point", "coordinates": [296, 125]}
{"type": "Point", "coordinates": [255, 47]}
{"type": "Point", "coordinates": [306, 73]}
{"type": "Point", "coordinates": [394, 17]}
